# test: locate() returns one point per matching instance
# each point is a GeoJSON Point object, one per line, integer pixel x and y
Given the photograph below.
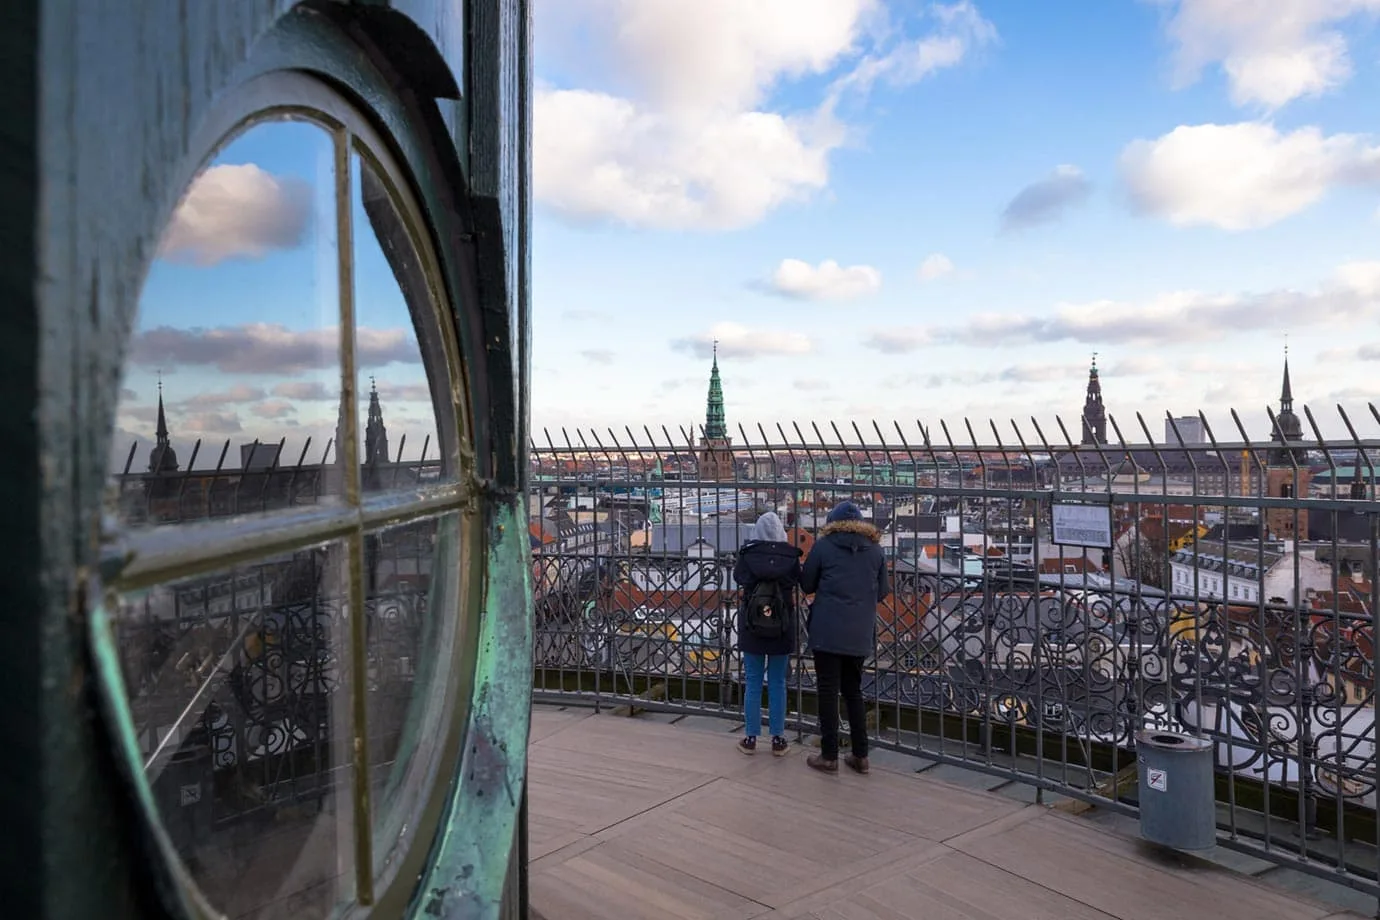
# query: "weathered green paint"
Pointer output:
{"type": "Point", "coordinates": [471, 864]}
{"type": "Point", "coordinates": [103, 103]}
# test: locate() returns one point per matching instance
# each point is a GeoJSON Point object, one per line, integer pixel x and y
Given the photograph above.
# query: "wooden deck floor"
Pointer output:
{"type": "Point", "coordinates": [632, 818]}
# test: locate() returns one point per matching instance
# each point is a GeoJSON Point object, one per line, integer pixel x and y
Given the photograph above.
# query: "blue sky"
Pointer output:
{"type": "Point", "coordinates": [239, 314]}
{"type": "Point", "coordinates": [882, 210]}
{"type": "Point", "coordinates": [1184, 261]}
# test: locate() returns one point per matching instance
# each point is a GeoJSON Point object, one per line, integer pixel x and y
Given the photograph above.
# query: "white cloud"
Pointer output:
{"type": "Point", "coordinates": [237, 212]}
{"type": "Point", "coordinates": [1270, 53]}
{"type": "Point", "coordinates": [670, 126]}
{"type": "Point", "coordinates": [1362, 277]}
{"type": "Point", "coordinates": [738, 341]}
{"type": "Point", "coordinates": [1352, 295]}
{"type": "Point", "coordinates": [826, 281]}
{"type": "Point", "coordinates": [899, 340]}
{"type": "Point", "coordinates": [936, 265]}
{"type": "Point", "coordinates": [959, 30]}
{"type": "Point", "coordinates": [1047, 199]}
{"type": "Point", "coordinates": [1242, 176]}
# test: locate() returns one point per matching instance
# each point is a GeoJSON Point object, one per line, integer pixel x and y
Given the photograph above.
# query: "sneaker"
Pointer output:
{"type": "Point", "coordinates": [857, 764]}
{"type": "Point", "coordinates": [780, 747]}
{"type": "Point", "coordinates": [748, 745]}
{"type": "Point", "coordinates": [817, 762]}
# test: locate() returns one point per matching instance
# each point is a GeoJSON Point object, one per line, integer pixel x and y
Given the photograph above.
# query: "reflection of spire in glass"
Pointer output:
{"type": "Point", "coordinates": [162, 459]}
{"type": "Point", "coordinates": [715, 428]}
{"type": "Point", "coordinates": [375, 434]}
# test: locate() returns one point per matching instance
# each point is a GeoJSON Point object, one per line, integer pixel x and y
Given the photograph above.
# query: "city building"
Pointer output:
{"type": "Point", "coordinates": [1187, 429]}
{"type": "Point", "coordinates": [1286, 473]}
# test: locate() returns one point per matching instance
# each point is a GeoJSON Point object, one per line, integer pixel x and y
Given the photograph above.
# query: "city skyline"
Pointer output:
{"type": "Point", "coordinates": [881, 211]}
{"type": "Point", "coordinates": [904, 211]}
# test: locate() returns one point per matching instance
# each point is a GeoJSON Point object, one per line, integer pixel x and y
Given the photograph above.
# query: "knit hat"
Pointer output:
{"type": "Point", "coordinates": [844, 511]}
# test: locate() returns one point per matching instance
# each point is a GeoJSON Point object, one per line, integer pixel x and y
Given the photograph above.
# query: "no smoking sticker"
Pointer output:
{"type": "Point", "coordinates": [1157, 780]}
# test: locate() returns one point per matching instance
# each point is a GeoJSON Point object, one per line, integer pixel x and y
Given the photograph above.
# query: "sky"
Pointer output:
{"type": "Point", "coordinates": [239, 315]}
{"type": "Point", "coordinates": [902, 211]}
{"type": "Point", "coordinates": [884, 212]}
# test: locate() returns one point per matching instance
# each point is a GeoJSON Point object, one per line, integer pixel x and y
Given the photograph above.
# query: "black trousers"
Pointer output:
{"type": "Point", "coordinates": [835, 674]}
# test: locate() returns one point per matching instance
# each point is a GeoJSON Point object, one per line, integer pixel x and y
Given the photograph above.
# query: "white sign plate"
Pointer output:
{"type": "Point", "coordinates": [1157, 780]}
{"type": "Point", "coordinates": [1083, 525]}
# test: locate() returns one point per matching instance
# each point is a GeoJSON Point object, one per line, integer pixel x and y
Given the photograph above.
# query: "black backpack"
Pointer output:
{"type": "Point", "coordinates": [766, 614]}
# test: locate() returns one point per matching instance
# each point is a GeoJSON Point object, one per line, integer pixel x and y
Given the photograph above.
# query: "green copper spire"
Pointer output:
{"type": "Point", "coordinates": [715, 428]}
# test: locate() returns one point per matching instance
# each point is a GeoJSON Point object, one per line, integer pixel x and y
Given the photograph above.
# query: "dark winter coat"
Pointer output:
{"type": "Point", "coordinates": [846, 572]}
{"type": "Point", "coordinates": [759, 560]}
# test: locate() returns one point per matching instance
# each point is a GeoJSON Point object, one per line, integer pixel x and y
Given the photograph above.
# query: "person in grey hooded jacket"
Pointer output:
{"type": "Point", "coordinates": [768, 555]}
{"type": "Point", "coordinates": [846, 573]}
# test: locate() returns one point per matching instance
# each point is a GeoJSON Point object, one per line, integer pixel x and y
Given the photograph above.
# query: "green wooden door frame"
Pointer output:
{"type": "Point", "coordinates": [100, 104]}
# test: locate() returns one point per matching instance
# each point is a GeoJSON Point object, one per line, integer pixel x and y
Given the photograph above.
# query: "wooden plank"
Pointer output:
{"type": "Point", "coordinates": [547, 720]}
{"type": "Point", "coordinates": [584, 794]}
{"type": "Point", "coordinates": [655, 746]}
{"type": "Point", "coordinates": [612, 880]}
{"type": "Point", "coordinates": [952, 886]}
{"type": "Point", "coordinates": [768, 847]}
{"type": "Point", "coordinates": [900, 801]}
{"type": "Point", "coordinates": [1117, 876]}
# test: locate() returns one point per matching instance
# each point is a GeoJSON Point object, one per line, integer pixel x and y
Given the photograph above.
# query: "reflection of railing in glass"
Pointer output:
{"type": "Point", "coordinates": [283, 664]}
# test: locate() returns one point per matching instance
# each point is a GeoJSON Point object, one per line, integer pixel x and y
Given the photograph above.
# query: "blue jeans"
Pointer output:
{"type": "Point", "coordinates": [775, 666]}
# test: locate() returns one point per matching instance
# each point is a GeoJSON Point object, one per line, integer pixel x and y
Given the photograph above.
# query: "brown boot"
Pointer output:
{"type": "Point", "coordinates": [856, 764]}
{"type": "Point", "coordinates": [817, 762]}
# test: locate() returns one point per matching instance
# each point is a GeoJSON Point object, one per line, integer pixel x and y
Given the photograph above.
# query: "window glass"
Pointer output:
{"type": "Point", "coordinates": [400, 444]}
{"type": "Point", "coordinates": [238, 694]}
{"type": "Point", "coordinates": [286, 555]}
{"type": "Point", "coordinates": [231, 393]}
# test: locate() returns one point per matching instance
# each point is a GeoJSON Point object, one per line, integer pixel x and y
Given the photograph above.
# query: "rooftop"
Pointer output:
{"type": "Point", "coordinates": [635, 817]}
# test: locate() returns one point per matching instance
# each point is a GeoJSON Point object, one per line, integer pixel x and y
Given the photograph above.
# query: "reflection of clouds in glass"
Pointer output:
{"type": "Point", "coordinates": [304, 390]}
{"type": "Point", "coordinates": [238, 211]}
{"type": "Point", "coordinates": [274, 409]}
{"type": "Point", "coordinates": [261, 348]}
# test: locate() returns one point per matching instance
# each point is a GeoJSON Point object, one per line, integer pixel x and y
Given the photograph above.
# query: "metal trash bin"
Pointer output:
{"type": "Point", "coordinates": [1178, 802]}
{"type": "Point", "coordinates": [183, 792]}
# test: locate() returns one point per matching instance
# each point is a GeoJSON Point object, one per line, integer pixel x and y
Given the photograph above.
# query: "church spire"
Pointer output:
{"type": "Point", "coordinates": [375, 433]}
{"type": "Point", "coordinates": [1288, 427]}
{"type": "Point", "coordinates": [162, 432]}
{"type": "Point", "coordinates": [715, 426]}
{"type": "Point", "coordinates": [1094, 413]}
{"type": "Point", "coordinates": [162, 459]}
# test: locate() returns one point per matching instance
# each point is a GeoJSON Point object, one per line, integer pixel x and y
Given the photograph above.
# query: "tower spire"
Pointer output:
{"type": "Point", "coordinates": [162, 431]}
{"type": "Point", "coordinates": [162, 459]}
{"type": "Point", "coordinates": [1288, 427]}
{"type": "Point", "coordinates": [715, 426]}
{"type": "Point", "coordinates": [375, 432]}
{"type": "Point", "coordinates": [1094, 413]}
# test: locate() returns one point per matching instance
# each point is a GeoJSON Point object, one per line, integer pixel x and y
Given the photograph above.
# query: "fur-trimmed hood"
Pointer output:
{"type": "Point", "coordinates": [861, 528]}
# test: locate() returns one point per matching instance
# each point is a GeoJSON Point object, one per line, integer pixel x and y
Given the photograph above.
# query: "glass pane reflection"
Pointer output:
{"type": "Point", "coordinates": [401, 444]}
{"type": "Point", "coordinates": [410, 575]}
{"type": "Point", "coordinates": [231, 391]}
{"type": "Point", "coordinates": [240, 702]}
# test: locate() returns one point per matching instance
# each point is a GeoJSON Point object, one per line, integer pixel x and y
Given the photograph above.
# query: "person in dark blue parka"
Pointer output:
{"type": "Point", "coordinates": [846, 573]}
{"type": "Point", "coordinates": [767, 555]}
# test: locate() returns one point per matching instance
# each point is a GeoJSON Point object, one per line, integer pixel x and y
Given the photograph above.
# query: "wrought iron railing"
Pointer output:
{"type": "Point", "coordinates": [235, 679]}
{"type": "Point", "coordinates": [1050, 600]}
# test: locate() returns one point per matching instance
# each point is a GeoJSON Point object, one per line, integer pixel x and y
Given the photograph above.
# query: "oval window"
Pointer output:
{"type": "Point", "coordinates": [289, 540]}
